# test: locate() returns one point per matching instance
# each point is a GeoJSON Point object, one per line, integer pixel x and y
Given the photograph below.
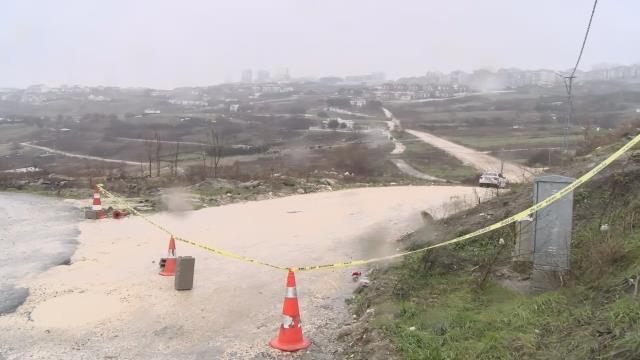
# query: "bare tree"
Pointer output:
{"type": "Point", "coordinates": [158, 148]}
{"type": "Point", "coordinates": [148, 146]}
{"type": "Point", "coordinates": [203, 153]}
{"type": "Point", "coordinates": [175, 161]}
{"type": "Point", "coordinates": [215, 150]}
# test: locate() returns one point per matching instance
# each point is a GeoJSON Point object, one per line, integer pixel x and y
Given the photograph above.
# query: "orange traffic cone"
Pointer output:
{"type": "Point", "coordinates": [170, 263]}
{"type": "Point", "coordinates": [97, 204]}
{"type": "Point", "coordinates": [290, 335]}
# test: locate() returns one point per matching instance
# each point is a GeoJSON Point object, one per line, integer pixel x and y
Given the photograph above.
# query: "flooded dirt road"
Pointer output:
{"type": "Point", "coordinates": [111, 302]}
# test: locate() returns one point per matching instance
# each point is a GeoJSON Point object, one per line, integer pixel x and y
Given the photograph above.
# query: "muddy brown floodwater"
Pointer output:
{"type": "Point", "coordinates": [110, 303]}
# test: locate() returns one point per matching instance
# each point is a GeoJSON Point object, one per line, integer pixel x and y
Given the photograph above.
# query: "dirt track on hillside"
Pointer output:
{"type": "Point", "coordinates": [80, 156]}
{"type": "Point", "coordinates": [483, 162]}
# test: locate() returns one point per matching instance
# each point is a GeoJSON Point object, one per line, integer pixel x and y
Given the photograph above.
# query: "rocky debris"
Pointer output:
{"type": "Point", "coordinates": [216, 183]}
{"type": "Point", "coordinates": [347, 330]}
{"type": "Point", "coordinates": [356, 326]}
{"type": "Point", "coordinates": [57, 177]}
{"type": "Point", "coordinates": [49, 182]}
{"type": "Point", "coordinates": [487, 215]}
{"type": "Point", "coordinates": [288, 182]}
{"type": "Point", "coordinates": [325, 188]}
{"type": "Point", "coordinates": [329, 182]}
{"type": "Point", "coordinates": [252, 184]}
{"type": "Point", "coordinates": [143, 205]}
{"type": "Point", "coordinates": [364, 340]}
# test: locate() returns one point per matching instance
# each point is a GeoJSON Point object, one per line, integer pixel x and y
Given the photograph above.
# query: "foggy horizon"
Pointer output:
{"type": "Point", "coordinates": [198, 43]}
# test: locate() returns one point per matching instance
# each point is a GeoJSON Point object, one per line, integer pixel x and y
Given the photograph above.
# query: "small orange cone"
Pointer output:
{"type": "Point", "coordinates": [97, 204]}
{"type": "Point", "coordinates": [290, 335]}
{"type": "Point", "coordinates": [170, 264]}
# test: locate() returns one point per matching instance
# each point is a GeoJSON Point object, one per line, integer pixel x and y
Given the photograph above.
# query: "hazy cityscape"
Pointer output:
{"type": "Point", "coordinates": [420, 180]}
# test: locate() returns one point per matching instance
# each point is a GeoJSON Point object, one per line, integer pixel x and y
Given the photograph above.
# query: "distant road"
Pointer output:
{"type": "Point", "coordinates": [287, 99]}
{"type": "Point", "coordinates": [398, 148]}
{"type": "Point", "coordinates": [163, 141]}
{"type": "Point", "coordinates": [411, 171]}
{"type": "Point", "coordinates": [79, 156]}
{"type": "Point", "coordinates": [477, 159]}
{"type": "Point", "coordinates": [459, 96]}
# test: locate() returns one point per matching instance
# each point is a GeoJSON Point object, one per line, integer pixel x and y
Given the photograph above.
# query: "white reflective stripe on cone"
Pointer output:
{"type": "Point", "coordinates": [291, 293]}
{"type": "Point", "coordinates": [287, 322]}
{"type": "Point", "coordinates": [96, 207]}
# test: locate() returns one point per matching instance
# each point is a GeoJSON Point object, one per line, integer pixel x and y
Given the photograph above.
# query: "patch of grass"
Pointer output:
{"type": "Point", "coordinates": [462, 323]}
{"type": "Point", "coordinates": [510, 140]}
{"type": "Point", "coordinates": [16, 132]}
{"type": "Point", "coordinates": [435, 162]}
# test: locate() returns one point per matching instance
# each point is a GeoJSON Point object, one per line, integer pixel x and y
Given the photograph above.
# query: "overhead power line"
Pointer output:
{"type": "Point", "coordinates": [568, 79]}
{"type": "Point", "coordinates": [584, 41]}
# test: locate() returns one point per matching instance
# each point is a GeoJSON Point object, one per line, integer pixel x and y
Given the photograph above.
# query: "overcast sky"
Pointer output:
{"type": "Point", "coordinates": [168, 44]}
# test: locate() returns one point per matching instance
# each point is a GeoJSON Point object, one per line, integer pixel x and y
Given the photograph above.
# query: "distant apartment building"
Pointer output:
{"type": "Point", "coordinates": [416, 91]}
{"type": "Point", "coordinates": [188, 102]}
{"type": "Point", "coordinates": [282, 74]}
{"type": "Point", "coordinates": [358, 102]}
{"type": "Point", "coordinates": [160, 93]}
{"type": "Point", "coordinates": [458, 77]}
{"type": "Point", "coordinates": [247, 76]}
{"type": "Point", "coordinates": [39, 88]}
{"type": "Point", "coordinates": [545, 78]}
{"type": "Point", "coordinates": [434, 77]}
{"type": "Point", "coordinates": [613, 73]}
{"type": "Point", "coordinates": [369, 79]}
{"type": "Point", "coordinates": [263, 76]}
{"type": "Point", "coordinates": [98, 98]}
{"type": "Point", "coordinates": [271, 89]}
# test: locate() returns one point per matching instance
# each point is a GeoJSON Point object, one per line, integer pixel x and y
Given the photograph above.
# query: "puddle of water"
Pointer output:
{"type": "Point", "coordinates": [36, 233]}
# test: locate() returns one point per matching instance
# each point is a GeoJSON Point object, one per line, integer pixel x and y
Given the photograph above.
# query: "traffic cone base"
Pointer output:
{"type": "Point", "coordinates": [169, 267]}
{"type": "Point", "coordinates": [277, 343]}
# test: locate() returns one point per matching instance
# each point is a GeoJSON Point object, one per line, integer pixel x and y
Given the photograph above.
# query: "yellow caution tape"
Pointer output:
{"type": "Point", "coordinates": [212, 249]}
{"type": "Point", "coordinates": [519, 216]}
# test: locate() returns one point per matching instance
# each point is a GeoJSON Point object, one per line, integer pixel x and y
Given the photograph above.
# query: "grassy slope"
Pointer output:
{"type": "Point", "coordinates": [433, 161]}
{"type": "Point", "coordinates": [434, 308]}
{"type": "Point", "coordinates": [510, 140]}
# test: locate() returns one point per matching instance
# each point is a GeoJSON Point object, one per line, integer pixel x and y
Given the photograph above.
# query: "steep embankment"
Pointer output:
{"type": "Point", "coordinates": [469, 300]}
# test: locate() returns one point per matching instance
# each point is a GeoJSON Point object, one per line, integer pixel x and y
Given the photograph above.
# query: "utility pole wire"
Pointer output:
{"type": "Point", "coordinates": [584, 41]}
{"type": "Point", "coordinates": [568, 80]}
